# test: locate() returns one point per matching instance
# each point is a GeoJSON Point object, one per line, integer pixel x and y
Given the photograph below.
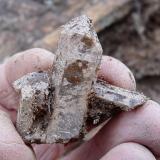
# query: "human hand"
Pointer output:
{"type": "Point", "coordinates": [124, 137]}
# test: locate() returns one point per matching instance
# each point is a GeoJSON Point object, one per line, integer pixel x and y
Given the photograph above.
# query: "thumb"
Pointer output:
{"type": "Point", "coordinates": [12, 146]}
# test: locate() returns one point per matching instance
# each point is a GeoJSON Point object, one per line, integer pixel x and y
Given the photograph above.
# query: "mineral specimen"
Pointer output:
{"type": "Point", "coordinates": [60, 106]}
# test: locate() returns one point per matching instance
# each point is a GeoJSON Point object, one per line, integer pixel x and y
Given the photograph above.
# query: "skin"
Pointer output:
{"type": "Point", "coordinates": [129, 136]}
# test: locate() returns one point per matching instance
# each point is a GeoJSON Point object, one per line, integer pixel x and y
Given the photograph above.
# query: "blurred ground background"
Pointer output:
{"type": "Point", "coordinates": [128, 30]}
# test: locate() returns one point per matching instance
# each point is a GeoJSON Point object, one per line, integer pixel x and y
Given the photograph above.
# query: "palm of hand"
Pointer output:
{"type": "Point", "coordinates": [123, 137]}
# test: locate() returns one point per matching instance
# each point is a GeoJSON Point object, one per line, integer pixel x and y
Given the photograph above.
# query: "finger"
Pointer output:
{"type": "Point", "coordinates": [141, 126]}
{"type": "Point", "coordinates": [11, 145]}
{"type": "Point", "coordinates": [17, 66]}
{"type": "Point", "coordinates": [129, 151]}
{"type": "Point", "coordinates": [48, 151]}
{"type": "Point", "coordinates": [116, 73]}
{"type": "Point", "coordinates": [12, 113]}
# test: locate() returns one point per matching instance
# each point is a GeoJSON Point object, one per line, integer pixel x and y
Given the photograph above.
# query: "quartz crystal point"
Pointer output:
{"type": "Point", "coordinates": [78, 58]}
